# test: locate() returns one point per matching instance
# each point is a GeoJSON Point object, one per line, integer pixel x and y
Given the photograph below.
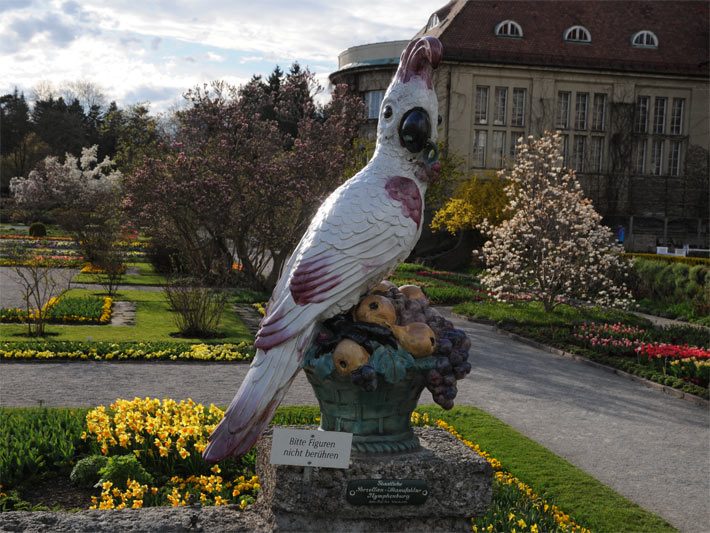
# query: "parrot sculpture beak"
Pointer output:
{"type": "Point", "coordinates": [416, 65]}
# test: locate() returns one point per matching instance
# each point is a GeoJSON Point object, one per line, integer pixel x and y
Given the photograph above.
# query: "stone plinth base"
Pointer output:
{"type": "Point", "coordinates": [458, 486]}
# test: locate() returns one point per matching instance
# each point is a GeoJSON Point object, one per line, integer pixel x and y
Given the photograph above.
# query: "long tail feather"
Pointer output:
{"type": "Point", "coordinates": [263, 388]}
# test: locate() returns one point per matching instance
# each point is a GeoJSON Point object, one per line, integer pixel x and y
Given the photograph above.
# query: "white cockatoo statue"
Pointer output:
{"type": "Point", "coordinates": [360, 233]}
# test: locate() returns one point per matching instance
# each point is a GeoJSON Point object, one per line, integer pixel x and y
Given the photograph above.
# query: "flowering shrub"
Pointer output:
{"type": "Point", "coordinates": [125, 351]}
{"type": "Point", "coordinates": [554, 246]}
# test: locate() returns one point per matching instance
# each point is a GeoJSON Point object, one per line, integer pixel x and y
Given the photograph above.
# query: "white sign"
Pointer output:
{"type": "Point", "coordinates": [304, 447]}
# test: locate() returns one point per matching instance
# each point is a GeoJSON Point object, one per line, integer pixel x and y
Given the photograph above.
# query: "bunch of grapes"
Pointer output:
{"type": "Point", "coordinates": [365, 377]}
{"type": "Point", "coordinates": [451, 361]}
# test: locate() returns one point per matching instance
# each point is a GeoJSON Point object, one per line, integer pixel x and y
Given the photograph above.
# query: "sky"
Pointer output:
{"type": "Point", "coordinates": [154, 50]}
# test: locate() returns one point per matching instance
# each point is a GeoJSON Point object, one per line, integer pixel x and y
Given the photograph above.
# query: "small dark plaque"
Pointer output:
{"type": "Point", "coordinates": [387, 492]}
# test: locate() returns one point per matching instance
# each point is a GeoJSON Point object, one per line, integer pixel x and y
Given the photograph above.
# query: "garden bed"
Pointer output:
{"type": "Point", "coordinates": [673, 356]}
{"type": "Point", "coordinates": [167, 437]}
{"type": "Point", "coordinates": [65, 310]}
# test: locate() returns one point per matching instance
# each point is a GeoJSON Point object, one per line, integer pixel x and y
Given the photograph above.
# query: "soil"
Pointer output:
{"type": "Point", "coordinates": [58, 493]}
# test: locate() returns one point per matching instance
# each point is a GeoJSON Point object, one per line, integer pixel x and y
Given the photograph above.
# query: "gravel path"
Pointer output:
{"type": "Point", "coordinates": [10, 289]}
{"type": "Point", "coordinates": [648, 446]}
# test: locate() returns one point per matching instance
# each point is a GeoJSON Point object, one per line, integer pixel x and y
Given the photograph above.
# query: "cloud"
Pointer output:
{"type": "Point", "coordinates": [147, 93]}
{"type": "Point", "coordinates": [211, 56]}
{"type": "Point", "coordinates": [13, 5]}
{"type": "Point", "coordinates": [156, 50]}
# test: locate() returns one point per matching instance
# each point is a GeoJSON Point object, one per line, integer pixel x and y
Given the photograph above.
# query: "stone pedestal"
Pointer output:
{"type": "Point", "coordinates": [455, 482]}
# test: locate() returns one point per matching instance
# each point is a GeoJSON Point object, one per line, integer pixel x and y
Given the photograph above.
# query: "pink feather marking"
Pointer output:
{"type": "Point", "coordinates": [406, 191]}
{"type": "Point", "coordinates": [310, 280]}
{"type": "Point", "coordinates": [266, 340]}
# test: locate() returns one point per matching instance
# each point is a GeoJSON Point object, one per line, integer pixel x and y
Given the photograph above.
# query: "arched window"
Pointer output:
{"type": "Point", "coordinates": [644, 39]}
{"type": "Point", "coordinates": [433, 22]}
{"type": "Point", "coordinates": [509, 28]}
{"type": "Point", "coordinates": [578, 34]}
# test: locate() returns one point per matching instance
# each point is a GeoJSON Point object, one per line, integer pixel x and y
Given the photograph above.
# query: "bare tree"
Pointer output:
{"type": "Point", "coordinates": [41, 287]}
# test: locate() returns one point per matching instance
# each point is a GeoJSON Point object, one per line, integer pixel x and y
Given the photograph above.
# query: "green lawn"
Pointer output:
{"type": "Point", "coordinates": [586, 500]}
{"type": "Point", "coordinates": [146, 276]}
{"type": "Point", "coordinates": [153, 323]}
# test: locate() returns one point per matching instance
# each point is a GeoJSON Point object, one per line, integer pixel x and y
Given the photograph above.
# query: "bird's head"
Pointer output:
{"type": "Point", "coordinates": [409, 114]}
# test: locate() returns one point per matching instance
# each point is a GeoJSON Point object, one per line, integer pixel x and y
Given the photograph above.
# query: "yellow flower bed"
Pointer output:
{"type": "Point", "coordinates": [165, 436]}
{"type": "Point", "coordinates": [171, 352]}
{"type": "Point", "coordinates": [90, 268]}
{"type": "Point", "coordinates": [260, 308]}
{"type": "Point", "coordinates": [561, 519]}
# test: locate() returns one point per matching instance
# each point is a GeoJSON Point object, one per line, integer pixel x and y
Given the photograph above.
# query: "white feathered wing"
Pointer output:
{"type": "Point", "coordinates": [358, 235]}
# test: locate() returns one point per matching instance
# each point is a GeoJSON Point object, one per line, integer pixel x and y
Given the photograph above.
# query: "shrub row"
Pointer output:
{"type": "Point", "coordinates": [683, 290]}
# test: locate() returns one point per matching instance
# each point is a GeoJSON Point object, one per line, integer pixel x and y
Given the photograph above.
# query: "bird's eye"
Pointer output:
{"type": "Point", "coordinates": [388, 111]}
{"type": "Point", "coordinates": [415, 129]}
{"type": "Point", "coordinates": [439, 121]}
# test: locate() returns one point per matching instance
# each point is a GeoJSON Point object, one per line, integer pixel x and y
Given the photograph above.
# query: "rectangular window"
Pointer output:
{"type": "Point", "coordinates": [500, 105]}
{"type": "Point", "coordinates": [517, 117]}
{"type": "Point", "coordinates": [677, 116]}
{"type": "Point", "coordinates": [641, 122]}
{"type": "Point", "coordinates": [580, 111]}
{"type": "Point", "coordinates": [564, 150]}
{"type": "Point", "coordinates": [563, 109]}
{"type": "Point", "coordinates": [599, 112]}
{"type": "Point", "coordinates": [674, 159]}
{"type": "Point", "coordinates": [657, 157]}
{"type": "Point", "coordinates": [597, 159]}
{"type": "Point", "coordinates": [659, 115]}
{"type": "Point", "coordinates": [481, 116]}
{"type": "Point", "coordinates": [640, 156]}
{"type": "Point", "coordinates": [580, 149]}
{"type": "Point", "coordinates": [498, 148]}
{"type": "Point", "coordinates": [373, 101]}
{"type": "Point", "coordinates": [479, 148]}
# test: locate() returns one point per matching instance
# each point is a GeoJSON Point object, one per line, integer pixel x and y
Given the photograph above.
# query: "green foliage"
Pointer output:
{"type": "Point", "coordinates": [534, 314]}
{"type": "Point", "coordinates": [88, 307]}
{"type": "Point", "coordinates": [12, 501]}
{"type": "Point", "coordinates": [37, 229]}
{"type": "Point", "coordinates": [35, 442]}
{"type": "Point", "coordinates": [670, 258]}
{"type": "Point", "coordinates": [86, 471]}
{"type": "Point", "coordinates": [672, 289]}
{"type": "Point", "coordinates": [120, 468]}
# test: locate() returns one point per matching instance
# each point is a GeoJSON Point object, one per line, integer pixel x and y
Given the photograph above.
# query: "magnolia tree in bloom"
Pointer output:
{"type": "Point", "coordinates": [554, 247]}
{"type": "Point", "coordinates": [82, 194]}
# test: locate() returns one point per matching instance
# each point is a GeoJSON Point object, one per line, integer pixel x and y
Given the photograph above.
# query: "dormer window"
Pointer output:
{"type": "Point", "coordinates": [645, 39]}
{"type": "Point", "coordinates": [508, 28]}
{"type": "Point", "coordinates": [433, 22]}
{"type": "Point", "coordinates": [578, 34]}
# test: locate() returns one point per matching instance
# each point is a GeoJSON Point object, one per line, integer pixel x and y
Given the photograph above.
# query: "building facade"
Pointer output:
{"type": "Point", "coordinates": [625, 83]}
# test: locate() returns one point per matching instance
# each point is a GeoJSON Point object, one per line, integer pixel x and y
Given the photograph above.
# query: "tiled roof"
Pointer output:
{"type": "Point", "coordinates": [466, 30]}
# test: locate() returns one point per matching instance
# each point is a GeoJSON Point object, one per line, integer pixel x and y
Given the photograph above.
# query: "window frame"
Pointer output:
{"type": "Point", "coordinates": [644, 34]}
{"type": "Point", "coordinates": [502, 29]}
{"type": "Point", "coordinates": [582, 35]}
